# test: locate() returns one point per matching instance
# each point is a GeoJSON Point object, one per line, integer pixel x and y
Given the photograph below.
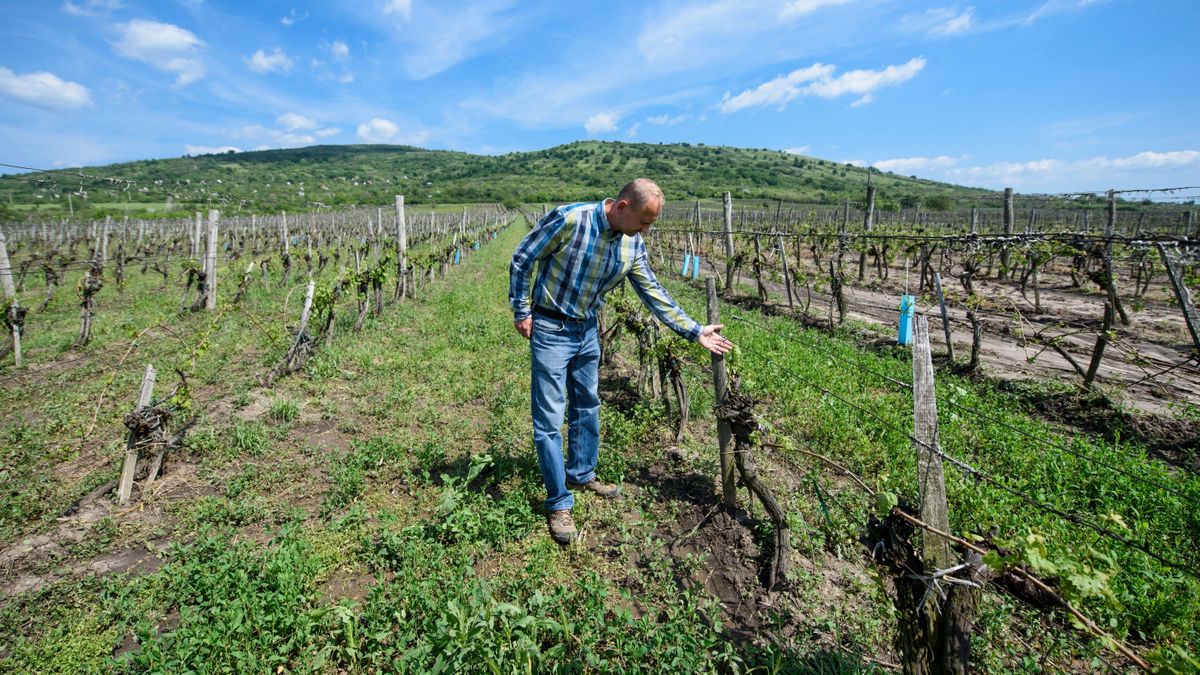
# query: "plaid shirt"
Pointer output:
{"type": "Point", "coordinates": [582, 258]}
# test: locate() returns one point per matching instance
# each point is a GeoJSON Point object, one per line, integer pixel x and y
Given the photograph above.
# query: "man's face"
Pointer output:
{"type": "Point", "coordinates": [631, 220]}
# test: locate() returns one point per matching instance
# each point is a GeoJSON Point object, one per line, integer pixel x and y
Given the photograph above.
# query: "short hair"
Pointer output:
{"type": "Point", "coordinates": [641, 191]}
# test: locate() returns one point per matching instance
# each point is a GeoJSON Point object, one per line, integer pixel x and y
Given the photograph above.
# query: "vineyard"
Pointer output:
{"type": "Point", "coordinates": [300, 443]}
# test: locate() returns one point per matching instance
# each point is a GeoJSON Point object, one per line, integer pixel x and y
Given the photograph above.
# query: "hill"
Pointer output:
{"type": "Point", "coordinates": [331, 175]}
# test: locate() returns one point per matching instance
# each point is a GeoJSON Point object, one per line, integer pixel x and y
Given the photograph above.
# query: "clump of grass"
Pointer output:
{"type": "Point", "coordinates": [284, 410]}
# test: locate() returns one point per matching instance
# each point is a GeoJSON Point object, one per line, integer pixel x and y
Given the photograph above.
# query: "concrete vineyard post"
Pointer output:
{"type": "Point", "coordinates": [125, 486]}
{"type": "Point", "coordinates": [104, 240]}
{"type": "Point", "coordinates": [210, 261]}
{"type": "Point", "coordinates": [401, 247]}
{"type": "Point", "coordinates": [195, 255]}
{"type": "Point", "coordinates": [724, 433]}
{"type": "Point", "coordinates": [727, 228]}
{"type": "Point", "coordinates": [6, 269]}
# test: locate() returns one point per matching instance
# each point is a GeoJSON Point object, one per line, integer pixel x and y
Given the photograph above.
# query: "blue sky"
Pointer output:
{"type": "Point", "coordinates": [1040, 95]}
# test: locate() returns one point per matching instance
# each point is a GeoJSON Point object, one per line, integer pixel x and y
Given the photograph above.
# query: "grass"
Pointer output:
{"type": "Point", "coordinates": [382, 509]}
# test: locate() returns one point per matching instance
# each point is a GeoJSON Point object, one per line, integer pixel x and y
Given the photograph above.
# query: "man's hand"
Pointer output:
{"type": "Point", "coordinates": [713, 341]}
{"type": "Point", "coordinates": [524, 327]}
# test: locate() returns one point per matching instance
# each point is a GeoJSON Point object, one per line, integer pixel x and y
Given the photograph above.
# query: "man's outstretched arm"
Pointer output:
{"type": "Point", "coordinates": [664, 307]}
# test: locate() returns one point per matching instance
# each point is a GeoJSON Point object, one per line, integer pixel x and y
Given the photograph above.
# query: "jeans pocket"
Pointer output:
{"type": "Point", "coordinates": [547, 325]}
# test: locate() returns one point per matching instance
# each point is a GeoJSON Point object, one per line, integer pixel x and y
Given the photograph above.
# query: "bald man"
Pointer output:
{"type": "Point", "coordinates": [585, 250]}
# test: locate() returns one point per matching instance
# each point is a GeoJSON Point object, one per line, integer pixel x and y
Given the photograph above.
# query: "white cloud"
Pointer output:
{"type": "Point", "coordinates": [275, 62]}
{"type": "Point", "coordinates": [378, 130]}
{"type": "Point", "coordinates": [292, 18]}
{"type": "Point", "coordinates": [667, 120]}
{"type": "Point", "coordinates": [799, 150]}
{"type": "Point", "coordinates": [327, 132]}
{"type": "Point", "coordinates": [955, 24]}
{"type": "Point", "coordinates": [601, 123]}
{"type": "Point", "coordinates": [633, 130]}
{"type": "Point", "coordinates": [162, 45]}
{"type": "Point", "coordinates": [276, 137]}
{"type": "Point", "coordinates": [401, 7]}
{"type": "Point", "coordinates": [910, 164]}
{"type": "Point", "coordinates": [295, 122]}
{"type": "Point", "coordinates": [91, 7]}
{"type": "Point", "coordinates": [802, 7]}
{"type": "Point", "coordinates": [209, 150]}
{"type": "Point", "coordinates": [865, 82]}
{"type": "Point", "coordinates": [43, 89]}
{"type": "Point", "coordinates": [1102, 168]}
{"type": "Point", "coordinates": [779, 90]}
{"type": "Point", "coordinates": [340, 50]}
{"type": "Point", "coordinates": [346, 78]}
{"type": "Point", "coordinates": [818, 80]}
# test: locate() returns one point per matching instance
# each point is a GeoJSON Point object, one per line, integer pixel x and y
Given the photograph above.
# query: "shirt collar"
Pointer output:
{"type": "Point", "coordinates": [602, 219]}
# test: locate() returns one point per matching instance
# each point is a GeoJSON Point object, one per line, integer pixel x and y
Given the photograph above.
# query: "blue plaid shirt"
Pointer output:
{"type": "Point", "coordinates": [582, 258]}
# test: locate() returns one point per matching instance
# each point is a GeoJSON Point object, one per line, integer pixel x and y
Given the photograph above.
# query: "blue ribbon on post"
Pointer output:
{"type": "Point", "coordinates": [908, 305]}
{"type": "Point", "coordinates": [687, 263]}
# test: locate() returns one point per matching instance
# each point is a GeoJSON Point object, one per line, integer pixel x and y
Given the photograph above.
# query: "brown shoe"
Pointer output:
{"type": "Point", "coordinates": [562, 526]}
{"type": "Point", "coordinates": [606, 490]}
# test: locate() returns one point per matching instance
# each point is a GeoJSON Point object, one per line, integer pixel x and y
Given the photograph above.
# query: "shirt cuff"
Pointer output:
{"type": "Point", "coordinates": [694, 333]}
{"type": "Point", "coordinates": [521, 315]}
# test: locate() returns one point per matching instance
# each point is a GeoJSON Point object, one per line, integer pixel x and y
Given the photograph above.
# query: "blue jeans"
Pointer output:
{"type": "Point", "coordinates": [566, 357]}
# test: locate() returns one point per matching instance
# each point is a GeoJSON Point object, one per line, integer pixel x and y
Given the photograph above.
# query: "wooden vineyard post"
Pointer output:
{"type": "Point", "coordinates": [931, 482]}
{"type": "Point", "coordinates": [401, 247]}
{"type": "Point", "coordinates": [210, 261]}
{"type": "Point", "coordinates": [937, 287]}
{"type": "Point", "coordinates": [724, 434]}
{"type": "Point", "coordinates": [727, 227]}
{"type": "Point", "coordinates": [125, 486]}
{"type": "Point", "coordinates": [1182, 295]}
{"type": "Point", "coordinates": [937, 638]}
{"type": "Point", "coordinates": [787, 278]}
{"type": "Point", "coordinates": [868, 222]}
{"type": "Point", "coordinates": [1110, 280]}
{"type": "Point", "coordinates": [6, 268]}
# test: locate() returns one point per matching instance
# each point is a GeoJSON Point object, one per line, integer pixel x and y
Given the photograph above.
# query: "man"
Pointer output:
{"type": "Point", "coordinates": [585, 250]}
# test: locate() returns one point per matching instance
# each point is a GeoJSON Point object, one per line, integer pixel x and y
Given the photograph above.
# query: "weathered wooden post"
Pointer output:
{"type": "Point", "coordinates": [937, 286]}
{"type": "Point", "coordinates": [724, 435]}
{"type": "Point", "coordinates": [787, 278]}
{"type": "Point", "coordinates": [1110, 277]}
{"type": "Point", "coordinates": [937, 639]}
{"type": "Point", "coordinates": [1183, 295]}
{"type": "Point", "coordinates": [931, 482]}
{"type": "Point", "coordinates": [125, 486]}
{"type": "Point", "coordinates": [868, 222]}
{"type": "Point", "coordinates": [210, 261]}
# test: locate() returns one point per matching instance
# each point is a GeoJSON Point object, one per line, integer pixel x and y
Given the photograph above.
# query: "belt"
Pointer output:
{"type": "Point", "coordinates": [558, 316]}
